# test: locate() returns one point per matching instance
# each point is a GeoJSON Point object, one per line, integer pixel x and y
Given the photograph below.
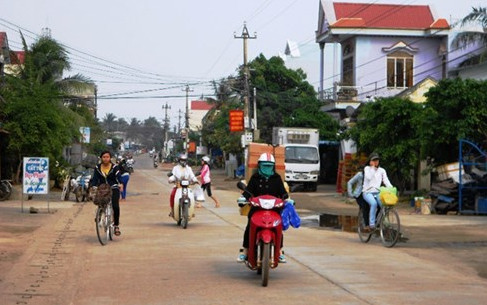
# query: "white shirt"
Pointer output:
{"type": "Point", "coordinates": [179, 173]}
{"type": "Point", "coordinates": [373, 179]}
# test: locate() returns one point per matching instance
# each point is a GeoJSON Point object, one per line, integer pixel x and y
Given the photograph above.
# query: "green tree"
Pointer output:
{"type": "Point", "coordinates": [38, 122]}
{"type": "Point", "coordinates": [455, 109]}
{"type": "Point", "coordinates": [285, 98]}
{"type": "Point", "coordinates": [389, 127]}
{"type": "Point", "coordinates": [215, 129]}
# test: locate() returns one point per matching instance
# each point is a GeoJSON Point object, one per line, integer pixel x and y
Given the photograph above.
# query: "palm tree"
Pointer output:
{"type": "Point", "coordinates": [109, 122]}
{"type": "Point", "coordinates": [477, 16]}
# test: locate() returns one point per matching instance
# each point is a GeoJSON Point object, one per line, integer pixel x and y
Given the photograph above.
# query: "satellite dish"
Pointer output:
{"type": "Point", "coordinates": [349, 111]}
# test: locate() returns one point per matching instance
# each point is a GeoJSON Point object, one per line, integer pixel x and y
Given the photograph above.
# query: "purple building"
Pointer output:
{"type": "Point", "coordinates": [385, 49]}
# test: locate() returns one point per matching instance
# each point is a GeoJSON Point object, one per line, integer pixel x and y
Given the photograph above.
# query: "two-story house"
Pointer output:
{"type": "Point", "coordinates": [385, 49]}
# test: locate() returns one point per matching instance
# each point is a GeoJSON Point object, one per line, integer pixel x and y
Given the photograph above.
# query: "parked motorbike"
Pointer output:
{"type": "Point", "coordinates": [156, 164]}
{"type": "Point", "coordinates": [81, 190]}
{"type": "Point", "coordinates": [265, 234]}
{"type": "Point", "coordinates": [184, 203]}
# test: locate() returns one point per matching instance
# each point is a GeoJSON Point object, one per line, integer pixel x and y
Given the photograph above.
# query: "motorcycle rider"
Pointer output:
{"type": "Point", "coordinates": [264, 182]}
{"type": "Point", "coordinates": [180, 171]}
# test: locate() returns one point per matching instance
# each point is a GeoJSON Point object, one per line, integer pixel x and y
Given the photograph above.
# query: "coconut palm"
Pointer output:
{"type": "Point", "coordinates": [477, 16]}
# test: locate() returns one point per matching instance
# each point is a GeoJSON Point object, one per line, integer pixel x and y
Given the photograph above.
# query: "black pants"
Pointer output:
{"type": "Point", "coordinates": [365, 208]}
{"type": "Point", "coordinates": [116, 206]}
{"type": "Point", "coordinates": [246, 237]}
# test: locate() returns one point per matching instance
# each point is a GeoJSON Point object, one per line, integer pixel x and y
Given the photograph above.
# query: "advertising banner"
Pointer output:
{"type": "Point", "coordinates": [85, 134]}
{"type": "Point", "coordinates": [236, 120]}
{"type": "Point", "coordinates": [36, 175]}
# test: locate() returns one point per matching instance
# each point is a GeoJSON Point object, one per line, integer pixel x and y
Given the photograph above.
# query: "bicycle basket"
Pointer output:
{"type": "Point", "coordinates": [103, 194]}
{"type": "Point", "coordinates": [388, 195]}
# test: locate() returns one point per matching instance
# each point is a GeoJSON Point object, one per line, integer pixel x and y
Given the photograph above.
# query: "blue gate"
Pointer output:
{"type": "Point", "coordinates": [472, 186]}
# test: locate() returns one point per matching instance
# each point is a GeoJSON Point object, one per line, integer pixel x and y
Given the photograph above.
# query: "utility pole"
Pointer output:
{"type": "Point", "coordinates": [187, 89]}
{"type": "Point", "coordinates": [179, 121]}
{"type": "Point", "coordinates": [166, 126]}
{"type": "Point", "coordinates": [245, 36]}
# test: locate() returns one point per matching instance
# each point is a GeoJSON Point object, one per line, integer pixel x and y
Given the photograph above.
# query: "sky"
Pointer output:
{"type": "Point", "coordinates": [145, 54]}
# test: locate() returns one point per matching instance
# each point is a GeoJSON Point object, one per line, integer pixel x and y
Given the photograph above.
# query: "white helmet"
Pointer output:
{"type": "Point", "coordinates": [206, 159]}
{"type": "Point", "coordinates": [183, 159]}
{"type": "Point", "coordinates": [267, 157]}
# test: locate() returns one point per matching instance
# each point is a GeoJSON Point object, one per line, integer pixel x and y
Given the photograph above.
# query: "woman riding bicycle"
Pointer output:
{"type": "Point", "coordinates": [108, 172]}
{"type": "Point", "coordinates": [374, 177]}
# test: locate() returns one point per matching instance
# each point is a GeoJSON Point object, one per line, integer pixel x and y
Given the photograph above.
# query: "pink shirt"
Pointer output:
{"type": "Point", "coordinates": [205, 174]}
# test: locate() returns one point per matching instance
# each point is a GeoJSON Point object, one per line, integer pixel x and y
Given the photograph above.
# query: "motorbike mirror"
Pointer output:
{"type": "Point", "coordinates": [241, 185]}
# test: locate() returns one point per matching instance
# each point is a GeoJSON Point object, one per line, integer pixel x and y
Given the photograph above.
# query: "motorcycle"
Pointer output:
{"type": "Point", "coordinates": [265, 234]}
{"type": "Point", "coordinates": [81, 190]}
{"type": "Point", "coordinates": [130, 165]}
{"type": "Point", "coordinates": [156, 164]}
{"type": "Point", "coordinates": [184, 203]}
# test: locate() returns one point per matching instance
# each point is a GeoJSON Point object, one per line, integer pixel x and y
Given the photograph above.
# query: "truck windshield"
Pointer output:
{"type": "Point", "coordinates": [297, 154]}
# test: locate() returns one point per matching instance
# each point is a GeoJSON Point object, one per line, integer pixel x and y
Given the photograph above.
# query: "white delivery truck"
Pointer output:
{"type": "Point", "coordinates": [302, 157]}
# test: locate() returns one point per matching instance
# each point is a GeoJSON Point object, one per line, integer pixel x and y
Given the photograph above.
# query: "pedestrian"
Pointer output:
{"type": "Point", "coordinates": [125, 176]}
{"type": "Point", "coordinates": [107, 172]}
{"type": "Point", "coordinates": [374, 177]}
{"type": "Point", "coordinates": [206, 180]}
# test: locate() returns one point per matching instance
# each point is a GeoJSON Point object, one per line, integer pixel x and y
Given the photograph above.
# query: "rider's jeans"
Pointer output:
{"type": "Point", "coordinates": [372, 199]}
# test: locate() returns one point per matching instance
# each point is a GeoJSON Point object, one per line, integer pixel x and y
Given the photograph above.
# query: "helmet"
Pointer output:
{"type": "Point", "coordinates": [206, 159]}
{"type": "Point", "coordinates": [267, 157]}
{"type": "Point", "coordinates": [183, 159]}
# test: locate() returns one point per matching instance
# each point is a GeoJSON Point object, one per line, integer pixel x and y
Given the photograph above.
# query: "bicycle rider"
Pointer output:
{"type": "Point", "coordinates": [374, 177]}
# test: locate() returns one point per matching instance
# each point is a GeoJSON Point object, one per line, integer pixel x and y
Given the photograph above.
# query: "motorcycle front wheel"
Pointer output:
{"type": "Point", "coordinates": [185, 216]}
{"type": "Point", "coordinates": [266, 263]}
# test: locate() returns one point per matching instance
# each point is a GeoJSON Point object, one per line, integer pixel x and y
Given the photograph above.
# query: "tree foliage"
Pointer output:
{"type": "Point", "coordinates": [285, 98]}
{"type": "Point", "coordinates": [456, 109]}
{"type": "Point", "coordinates": [34, 114]}
{"type": "Point", "coordinates": [389, 127]}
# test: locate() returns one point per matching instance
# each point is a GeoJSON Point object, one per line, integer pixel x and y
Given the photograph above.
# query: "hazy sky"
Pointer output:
{"type": "Point", "coordinates": [150, 49]}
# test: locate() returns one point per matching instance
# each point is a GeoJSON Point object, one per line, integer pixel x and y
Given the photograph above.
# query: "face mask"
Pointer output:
{"type": "Point", "coordinates": [266, 169]}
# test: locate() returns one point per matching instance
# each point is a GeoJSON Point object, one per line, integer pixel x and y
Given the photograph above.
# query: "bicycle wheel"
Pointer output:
{"type": "Point", "coordinates": [390, 227]}
{"type": "Point", "coordinates": [364, 236]}
{"type": "Point", "coordinates": [101, 221]}
{"type": "Point", "coordinates": [110, 219]}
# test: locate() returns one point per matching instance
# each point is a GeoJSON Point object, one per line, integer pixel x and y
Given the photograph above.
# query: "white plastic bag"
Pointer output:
{"type": "Point", "coordinates": [199, 194]}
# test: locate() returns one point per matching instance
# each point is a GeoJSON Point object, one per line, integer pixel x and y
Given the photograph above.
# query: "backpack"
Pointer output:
{"type": "Point", "coordinates": [103, 194]}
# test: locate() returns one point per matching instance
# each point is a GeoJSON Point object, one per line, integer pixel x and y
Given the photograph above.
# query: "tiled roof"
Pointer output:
{"type": "Point", "coordinates": [386, 16]}
{"type": "Point", "coordinates": [201, 105]}
{"type": "Point", "coordinates": [17, 57]}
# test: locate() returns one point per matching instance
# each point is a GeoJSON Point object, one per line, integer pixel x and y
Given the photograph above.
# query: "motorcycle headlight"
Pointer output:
{"type": "Point", "coordinates": [267, 203]}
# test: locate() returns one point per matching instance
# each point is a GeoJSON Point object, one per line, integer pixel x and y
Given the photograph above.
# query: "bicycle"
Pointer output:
{"type": "Point", "coordinates": [104, 223]}
{"type": "Point", "coordinates": [5, 189]}
{"type": "Point", "coordinates": [387, 224]}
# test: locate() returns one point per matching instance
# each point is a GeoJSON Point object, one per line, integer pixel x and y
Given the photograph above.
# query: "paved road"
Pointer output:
{"type": "Point", "coordinates": [55, 258]}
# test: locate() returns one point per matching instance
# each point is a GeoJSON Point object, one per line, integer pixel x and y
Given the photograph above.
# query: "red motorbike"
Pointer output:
{"type": "Point", "coordinates": [265, 235]}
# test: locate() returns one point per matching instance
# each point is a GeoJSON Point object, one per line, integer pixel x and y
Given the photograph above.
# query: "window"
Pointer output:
{"type": "Point", "coordinates": [399, 70]}
{"type": "Point", "coordinates": [348, 72]}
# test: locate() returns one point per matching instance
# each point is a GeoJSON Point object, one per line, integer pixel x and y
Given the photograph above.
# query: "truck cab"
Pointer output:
{"type": "Point", "coordinates": [302, 159]}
